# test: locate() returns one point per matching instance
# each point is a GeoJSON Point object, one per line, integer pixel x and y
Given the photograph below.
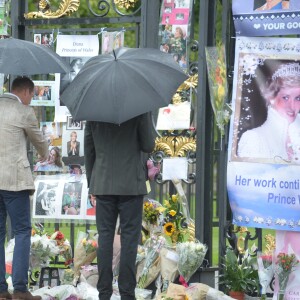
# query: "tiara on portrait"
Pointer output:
{"type": "Point", "coordinates": [292, 69]}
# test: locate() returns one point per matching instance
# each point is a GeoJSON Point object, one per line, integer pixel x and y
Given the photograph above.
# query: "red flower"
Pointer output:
{"type": "Point", "coordinates": [60, 235]}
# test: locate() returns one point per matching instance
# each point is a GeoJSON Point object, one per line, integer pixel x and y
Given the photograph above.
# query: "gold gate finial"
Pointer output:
{"type": "Point", "coordinates": [66, 8]}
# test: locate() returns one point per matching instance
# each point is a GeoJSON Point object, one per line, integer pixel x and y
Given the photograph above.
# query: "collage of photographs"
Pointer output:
{"type": "Point", "coordinates": [67, 194]}
{"type": "Point", "coordinates": [174, 29]}
{"type": "Point", "coordinates": [61, 190]}
{"type": "Point", "coordinates": [173, 39]}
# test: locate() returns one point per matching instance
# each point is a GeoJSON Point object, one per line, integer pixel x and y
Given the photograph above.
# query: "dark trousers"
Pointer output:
{"type": "Point", "coordinates": [17, 206]}
{"type": "Point", "coordinates": [130, 209]}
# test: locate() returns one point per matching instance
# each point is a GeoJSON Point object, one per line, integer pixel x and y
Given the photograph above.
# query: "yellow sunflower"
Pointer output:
{"type": "Point", "coordinates": [169, 228]}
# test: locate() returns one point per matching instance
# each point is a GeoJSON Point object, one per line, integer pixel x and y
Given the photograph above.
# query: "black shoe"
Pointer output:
{"type": "Point", "coordinates": [5, 295]}
{"type": "Point", "coordinates": [17, 295]}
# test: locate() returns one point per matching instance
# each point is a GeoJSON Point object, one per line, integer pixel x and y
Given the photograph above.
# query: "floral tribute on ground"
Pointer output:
{"type": "Point", "coordinates": [170, 252]}
{"type": "Point", "coordinates": [45, 247]}
{"type": "Point", "coordinates": [284, 265]}
{"type": "Point", "coordinates": [85, 252]}
{"type": "Point", "coordinates": [265, 272]}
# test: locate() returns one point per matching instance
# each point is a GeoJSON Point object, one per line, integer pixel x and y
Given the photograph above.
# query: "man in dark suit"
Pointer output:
{"type": "Point", "coordinates": [116, 176]}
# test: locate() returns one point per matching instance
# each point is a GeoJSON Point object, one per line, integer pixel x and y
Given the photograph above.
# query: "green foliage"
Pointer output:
{"type": "Point", "coordinates": [239, 276]}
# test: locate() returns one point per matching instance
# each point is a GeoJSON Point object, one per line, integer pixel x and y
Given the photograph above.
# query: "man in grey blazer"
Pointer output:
{"type": "Point", "coordinates": [18, 124]}
{"type": "Point", "coordinates": [116, 175]}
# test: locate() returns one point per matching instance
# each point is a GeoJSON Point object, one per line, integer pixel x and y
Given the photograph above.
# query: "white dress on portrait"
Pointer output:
{"type": "Point", "coordinates": [269, 140]}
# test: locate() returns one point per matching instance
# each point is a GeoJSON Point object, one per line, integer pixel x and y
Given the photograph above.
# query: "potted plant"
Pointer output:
{"type": "Point", "coordinates": [239, 277]}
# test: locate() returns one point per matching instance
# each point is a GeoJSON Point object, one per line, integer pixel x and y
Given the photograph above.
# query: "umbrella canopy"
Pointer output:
{"type": "Point", "coordinates": [19, 57]}
{"type": "Point", "coordinates": [119, 86]}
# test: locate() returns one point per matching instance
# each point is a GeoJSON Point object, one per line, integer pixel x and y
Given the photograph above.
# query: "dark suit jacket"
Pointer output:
{"type": "Point", "coordinates": [113, 156]}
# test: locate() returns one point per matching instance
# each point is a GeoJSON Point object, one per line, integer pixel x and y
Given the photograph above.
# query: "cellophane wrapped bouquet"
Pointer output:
{"type": "Point", "coordinates": [265, 272]}
{"type": "Point", "coordinates": [65, 249]}
{"type": "Point", "coordinates": [218, 85]}
{"type": "Point", "coordinates": [284, 264]}
{"type": "Point", "coordinates": [149, 266]}
{"type": "Point", "coordinates": [178, 228]}
{"type": "Point", "coordinates": [175, 222]}
{"type": "Point", "coordinates": [168, 266]}
{"type": "Point", "coordinates": [190, 257]}
{"type": "Point", "coordinates": [152, 211]}
{"type": "Point", "coordinates": [42, 250]}
{"type": "Point", "coordinates": [85, 251]}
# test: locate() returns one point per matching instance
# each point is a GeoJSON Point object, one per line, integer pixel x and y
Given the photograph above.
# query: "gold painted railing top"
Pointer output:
{"type": "Point", "coordinates": [68, 7]}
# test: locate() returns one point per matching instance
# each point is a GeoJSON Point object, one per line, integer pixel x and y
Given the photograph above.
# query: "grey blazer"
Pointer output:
{"type": "Point", "coordinates": [17, 123]}
{"type": "Point", "coordinates": [113, 156]}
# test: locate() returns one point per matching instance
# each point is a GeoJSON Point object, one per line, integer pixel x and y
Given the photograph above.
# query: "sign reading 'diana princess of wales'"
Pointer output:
{"type": "Point", "coordinates": [263, 178]}
{"type": "Point", "coordinates": [266, 18]}
{"type": "Point", "coordinates": [77, 45]}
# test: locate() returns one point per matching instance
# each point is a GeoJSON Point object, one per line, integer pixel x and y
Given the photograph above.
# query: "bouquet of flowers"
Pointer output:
{"type": "Point", "coordinates": [265, 272]}
{"type": "Point", "coordinates": [42, 250]}
{"type": "Point", "coordinates": [284, 265]}
{"type": "Point", "coordinates": [217, 80]}
{"type": "Point", "coordinates": [150, 264]}
{"type": "Point", "coordinates": [175, 225]}
{"type": "Point", "coordinates": [190, 258]}
{"type": "Point", "coordinates": [64, 246]}
{"type": "Point", "coordinates": [152, 211]}
{"type": "Point", "coordinates": [168, 262]}
{"type": "Point", "coordinates": [85, 251]}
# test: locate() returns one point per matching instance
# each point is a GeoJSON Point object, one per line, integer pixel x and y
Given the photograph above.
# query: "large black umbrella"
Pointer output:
{"type": "Point", "coordinates": [19, 57]}
{"type": "Point", "coordinates": [119, 86]}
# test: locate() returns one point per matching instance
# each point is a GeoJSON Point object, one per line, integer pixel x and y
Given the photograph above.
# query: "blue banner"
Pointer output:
{"type": "Point", "coordinates": [264, 140]}
{"type": "Point", "coordinates": [266, 18]}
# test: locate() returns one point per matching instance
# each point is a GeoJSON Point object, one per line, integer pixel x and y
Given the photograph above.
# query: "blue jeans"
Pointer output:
{"type": "Point", "coordinates": [130, 209]}
{"type": "Point", "coordinates": [17, 206]}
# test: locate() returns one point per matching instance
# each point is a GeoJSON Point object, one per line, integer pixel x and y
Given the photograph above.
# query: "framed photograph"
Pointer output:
{"type": "Point", "coordinates": [182, 3]}
{"type": "Point", "coordinates": [44, 93]}
{"type": "Point", "coordinates": [166, 19]}
{"type": "Point", "coordinates": [37, 38]}
{"type": "Point", "coordinates": [73, 125]}
{"type": "Point", "coordinates": [52, 133]}
{"type": "Point", "coordinates": [47, 39]}
{"type": "Point", "coordinates": [168, 10]}
{"type": "Point", "coordinates": [107, 42]}
{"type": "Point", "coordinates": [73, 146]}
{"type": "Point", "coordinates": [180, 16]}
{"type": "Point", "coordinates": [258, 109]}
{"type": "Point", "coordinates": [45, 199]}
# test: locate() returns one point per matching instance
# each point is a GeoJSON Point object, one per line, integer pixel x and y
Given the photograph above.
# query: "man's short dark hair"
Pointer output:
{"type": "Point", "coordinates": [22, 83]}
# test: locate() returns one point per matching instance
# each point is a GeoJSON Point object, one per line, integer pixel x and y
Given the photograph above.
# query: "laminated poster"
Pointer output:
{"type": "Point", "coordinates": [264, 140]}
{"type": "Point", "coordinates": [266, 18]}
